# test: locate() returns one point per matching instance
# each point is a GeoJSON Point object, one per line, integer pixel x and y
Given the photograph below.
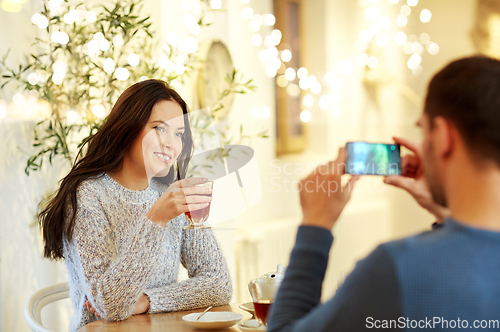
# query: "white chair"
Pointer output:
{"type": "Point", "coordinates": [35, 303]}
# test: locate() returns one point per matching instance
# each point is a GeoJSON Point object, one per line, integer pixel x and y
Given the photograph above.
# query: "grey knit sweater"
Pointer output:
{"type": "Point", "coordinates": [117, 254]}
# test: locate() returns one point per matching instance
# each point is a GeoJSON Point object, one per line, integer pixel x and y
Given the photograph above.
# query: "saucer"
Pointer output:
{"type": "Point", "coordinates": [248, 307]}
{"type": "Point", "coordinates": [213, 320]}
{"type": "Point", "coordinates": [251, 325]}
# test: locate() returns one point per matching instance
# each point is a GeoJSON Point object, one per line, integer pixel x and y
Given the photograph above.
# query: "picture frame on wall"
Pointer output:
{"type": "Point", "coordinates": [486, 32]}
{"type": "Point", "coordinates": [291, 132]}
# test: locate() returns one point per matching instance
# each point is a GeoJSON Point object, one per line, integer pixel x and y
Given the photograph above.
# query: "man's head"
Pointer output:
{"type": "Point", "coordinates": [461, 118]}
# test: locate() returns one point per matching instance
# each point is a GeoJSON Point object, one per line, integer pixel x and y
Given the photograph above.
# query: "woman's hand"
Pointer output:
{"type": "Point", "coordinates": [140, 307]}
{"type": "Point", "coordinates": [182, 196]}
{"type": "Point", "coordinates": [322, 195]}
{"type": "Point", "coordinates": [413, 180]}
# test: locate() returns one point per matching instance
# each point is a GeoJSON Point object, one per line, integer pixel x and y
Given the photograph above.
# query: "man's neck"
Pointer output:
{"type": "Point", "coordinates": [474, 197]}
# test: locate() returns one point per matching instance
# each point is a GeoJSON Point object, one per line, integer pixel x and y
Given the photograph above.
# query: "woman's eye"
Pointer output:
{"type": "Point", "coordinates": [179, 134]}
{"type": "Point", "coordinates": [160, 129]}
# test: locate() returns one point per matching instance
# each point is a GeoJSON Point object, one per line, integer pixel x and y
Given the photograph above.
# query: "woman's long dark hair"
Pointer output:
{"type": "Point", "coordinates": [105, 151]}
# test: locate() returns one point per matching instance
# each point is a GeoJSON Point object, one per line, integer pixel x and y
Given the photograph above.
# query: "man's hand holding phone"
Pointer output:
{"type": "Point", "coordinates": [413, 180]}
{"type": "Point", "coordinates": [322, 195]}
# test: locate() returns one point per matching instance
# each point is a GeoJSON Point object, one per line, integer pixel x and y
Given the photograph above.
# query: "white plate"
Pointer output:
{"type": "Point", "coordinates": [251, 325]}
{"type": "Point", "coordinates": [213, 320]}
{"type": "Point", "coordinates": [248, 307]}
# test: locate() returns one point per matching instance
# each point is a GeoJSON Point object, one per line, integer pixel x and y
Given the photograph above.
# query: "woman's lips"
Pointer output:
{"type": "Point", "coordinates": [163, 157]}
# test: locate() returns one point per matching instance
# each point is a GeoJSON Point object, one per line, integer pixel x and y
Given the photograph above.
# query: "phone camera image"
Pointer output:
{"type": "Point", "coordinates": [373, 158]}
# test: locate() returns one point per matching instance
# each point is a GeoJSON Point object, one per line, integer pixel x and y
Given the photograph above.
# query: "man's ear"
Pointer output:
{"type": "Point", "coordinates": [443, 139]}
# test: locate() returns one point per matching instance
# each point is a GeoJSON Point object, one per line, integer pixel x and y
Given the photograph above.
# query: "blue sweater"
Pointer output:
{"type": "Point", "coordinates": [440, 280]}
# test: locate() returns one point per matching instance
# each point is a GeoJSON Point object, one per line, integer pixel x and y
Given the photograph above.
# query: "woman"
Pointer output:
{"type": "Point", "coordinates": [118, 227]}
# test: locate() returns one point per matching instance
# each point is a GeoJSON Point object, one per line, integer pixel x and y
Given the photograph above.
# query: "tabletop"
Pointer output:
{"type": "Point", "coordinates": [171, 322]}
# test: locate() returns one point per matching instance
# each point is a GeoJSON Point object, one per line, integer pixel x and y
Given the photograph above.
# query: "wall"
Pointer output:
{"type": "Point", "coordinates": [23, 271]}
{"type": "Point", "coordinates": [330, 29]}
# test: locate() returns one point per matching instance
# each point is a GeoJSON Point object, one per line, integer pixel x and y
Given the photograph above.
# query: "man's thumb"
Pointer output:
{"type": "Point", "coordinates": [400, 182]}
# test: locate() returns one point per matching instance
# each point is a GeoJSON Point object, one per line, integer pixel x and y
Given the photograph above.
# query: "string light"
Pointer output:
{"type": "Point", "coordinates": [308, 101]}
{"type": "Point", "coordinates": [381, 40]}
{"type": "Point", "coordinates": [433, 48]}
{"type": "Point", "coordinates": [405, 10]}
{"type": "Point", "coordinates": [425, 38]}
{"type": "Point", "coordinates": [33, 79]}
{"type": "Point", "coordinates": [286, 55]}
{"type": "Point", "coordinates": [365, 35]}
{"type": "Point", "coordinates": [122, 74]}
{"type": "Point", "coordinates": [42, 22]}
{"type": "Point", "coordinates": [324, 102]}
{"type": "Point", "coordinates": [90, 16]}
{"type": "Point", "coordinates": [269, 19]}
{"type": "Point", "coordinates": [282, 81]}
{"type": "Point", "coordinates": [372, 62]}
{"type": "Point", "coordinates": [247, 13]}
{"type": "Point", "coordinates": [401, 21]}
{"type": "Point", "coordinates": [118, 41]}
{"type": "Point", "coordinates": [71, 116]}
{"type": "Point", "coordinates": [305, 116]}
{"type": "Point", "coordinates": [344, 67]}
{"type": "Point", "coordinates": [254, 25]}
{"type": "Point", "coordinates": [189, 20]}
{"type": "Point", "coordinates": [256, 40]}
{"type": "Point", "coordinates": [172, 39]}
{"type": "Point", "coordinates": [264, 112]}
{"type": "Point", "coordinates": [304, 84]}
{"type": "Point", "coordinates": [302, 73]}
{"type": "Point", "coordinates": [290, 74]}
{"type": "Point", "coordinates": [384, 22]}
{"type": "Point", "coordinates": [271, 72]}
{"type": "Point", "coordinates": [133, 60]}
{"type": "Point", "coordinates": [99, 110]}
{"type": "Point", "coordinates": [273, 52]}
{"type": "Point", "coordinates": [425, 15]}
{"type": "Point", "coordinates": [18, 99]}
{"type": "Point", "coordinates": [401, 38]}
{"type": "Point", "coordinates": [71, 17]}
{"type": "Point", "coordinates": [216, 4]}
{"type": "Point", "coordinates": [179, 68]}
{"type": "Point", "coordinates": [293, 90]}
{"type": "Point", "coordinates": [315, 88]}
{"type": "Point", "coordinates": [414, 61]}
{"type": "Point", "coordinates": [372, 14]}
{"type": "Point", "coordinates": [109, 65]}
{"type": "Point", "coordinates": [104, 45]}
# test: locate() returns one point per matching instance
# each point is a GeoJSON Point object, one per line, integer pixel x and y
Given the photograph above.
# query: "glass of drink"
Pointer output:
{"type": "Point", "coordinates": [197, 218]}
{"type": "Point", "coordinates": [263, 292]}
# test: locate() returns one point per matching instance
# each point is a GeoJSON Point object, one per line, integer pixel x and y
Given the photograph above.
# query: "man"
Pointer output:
{"type": "Point", "coordinates": [442, 280]}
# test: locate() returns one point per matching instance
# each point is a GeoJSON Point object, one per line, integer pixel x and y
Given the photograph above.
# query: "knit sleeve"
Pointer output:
{"type": "Point", "coordinates": [113, 280]}
{"type": "Point", "coordinates": [209, 282]}
{"type": "Point", "coordinates": [369, 295]}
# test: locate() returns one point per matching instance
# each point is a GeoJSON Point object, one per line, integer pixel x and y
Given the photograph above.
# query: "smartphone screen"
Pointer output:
{"type": "Point", "coordinates": [373, 158]}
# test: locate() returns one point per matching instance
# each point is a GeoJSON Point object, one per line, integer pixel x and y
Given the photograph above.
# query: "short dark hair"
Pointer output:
{"type": "Point", "coordinates": [467, 93]}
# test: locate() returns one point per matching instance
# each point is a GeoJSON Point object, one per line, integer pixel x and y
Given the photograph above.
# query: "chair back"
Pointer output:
{"type": "Point", "coordinates": [35, 303]}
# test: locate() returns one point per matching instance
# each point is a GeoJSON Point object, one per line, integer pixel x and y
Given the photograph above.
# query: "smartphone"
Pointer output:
{"type": "Point", "coordinates": [373, 158]}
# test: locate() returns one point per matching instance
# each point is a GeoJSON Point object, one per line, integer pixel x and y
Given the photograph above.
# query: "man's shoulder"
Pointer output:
{"type": "Point", "coordinates": [437, 240]}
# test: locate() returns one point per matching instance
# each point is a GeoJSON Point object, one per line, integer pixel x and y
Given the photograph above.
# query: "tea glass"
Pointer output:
{"type": "Point", "coordinates": [197, 218]}
{"type": "Point", "coordinates": [263, 293]}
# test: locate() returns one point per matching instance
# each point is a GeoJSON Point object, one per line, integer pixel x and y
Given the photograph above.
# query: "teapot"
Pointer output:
{"type": "Point", "coordinates": [263, 290]}
{"type": "Point", "coordinates": [273, 279]}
